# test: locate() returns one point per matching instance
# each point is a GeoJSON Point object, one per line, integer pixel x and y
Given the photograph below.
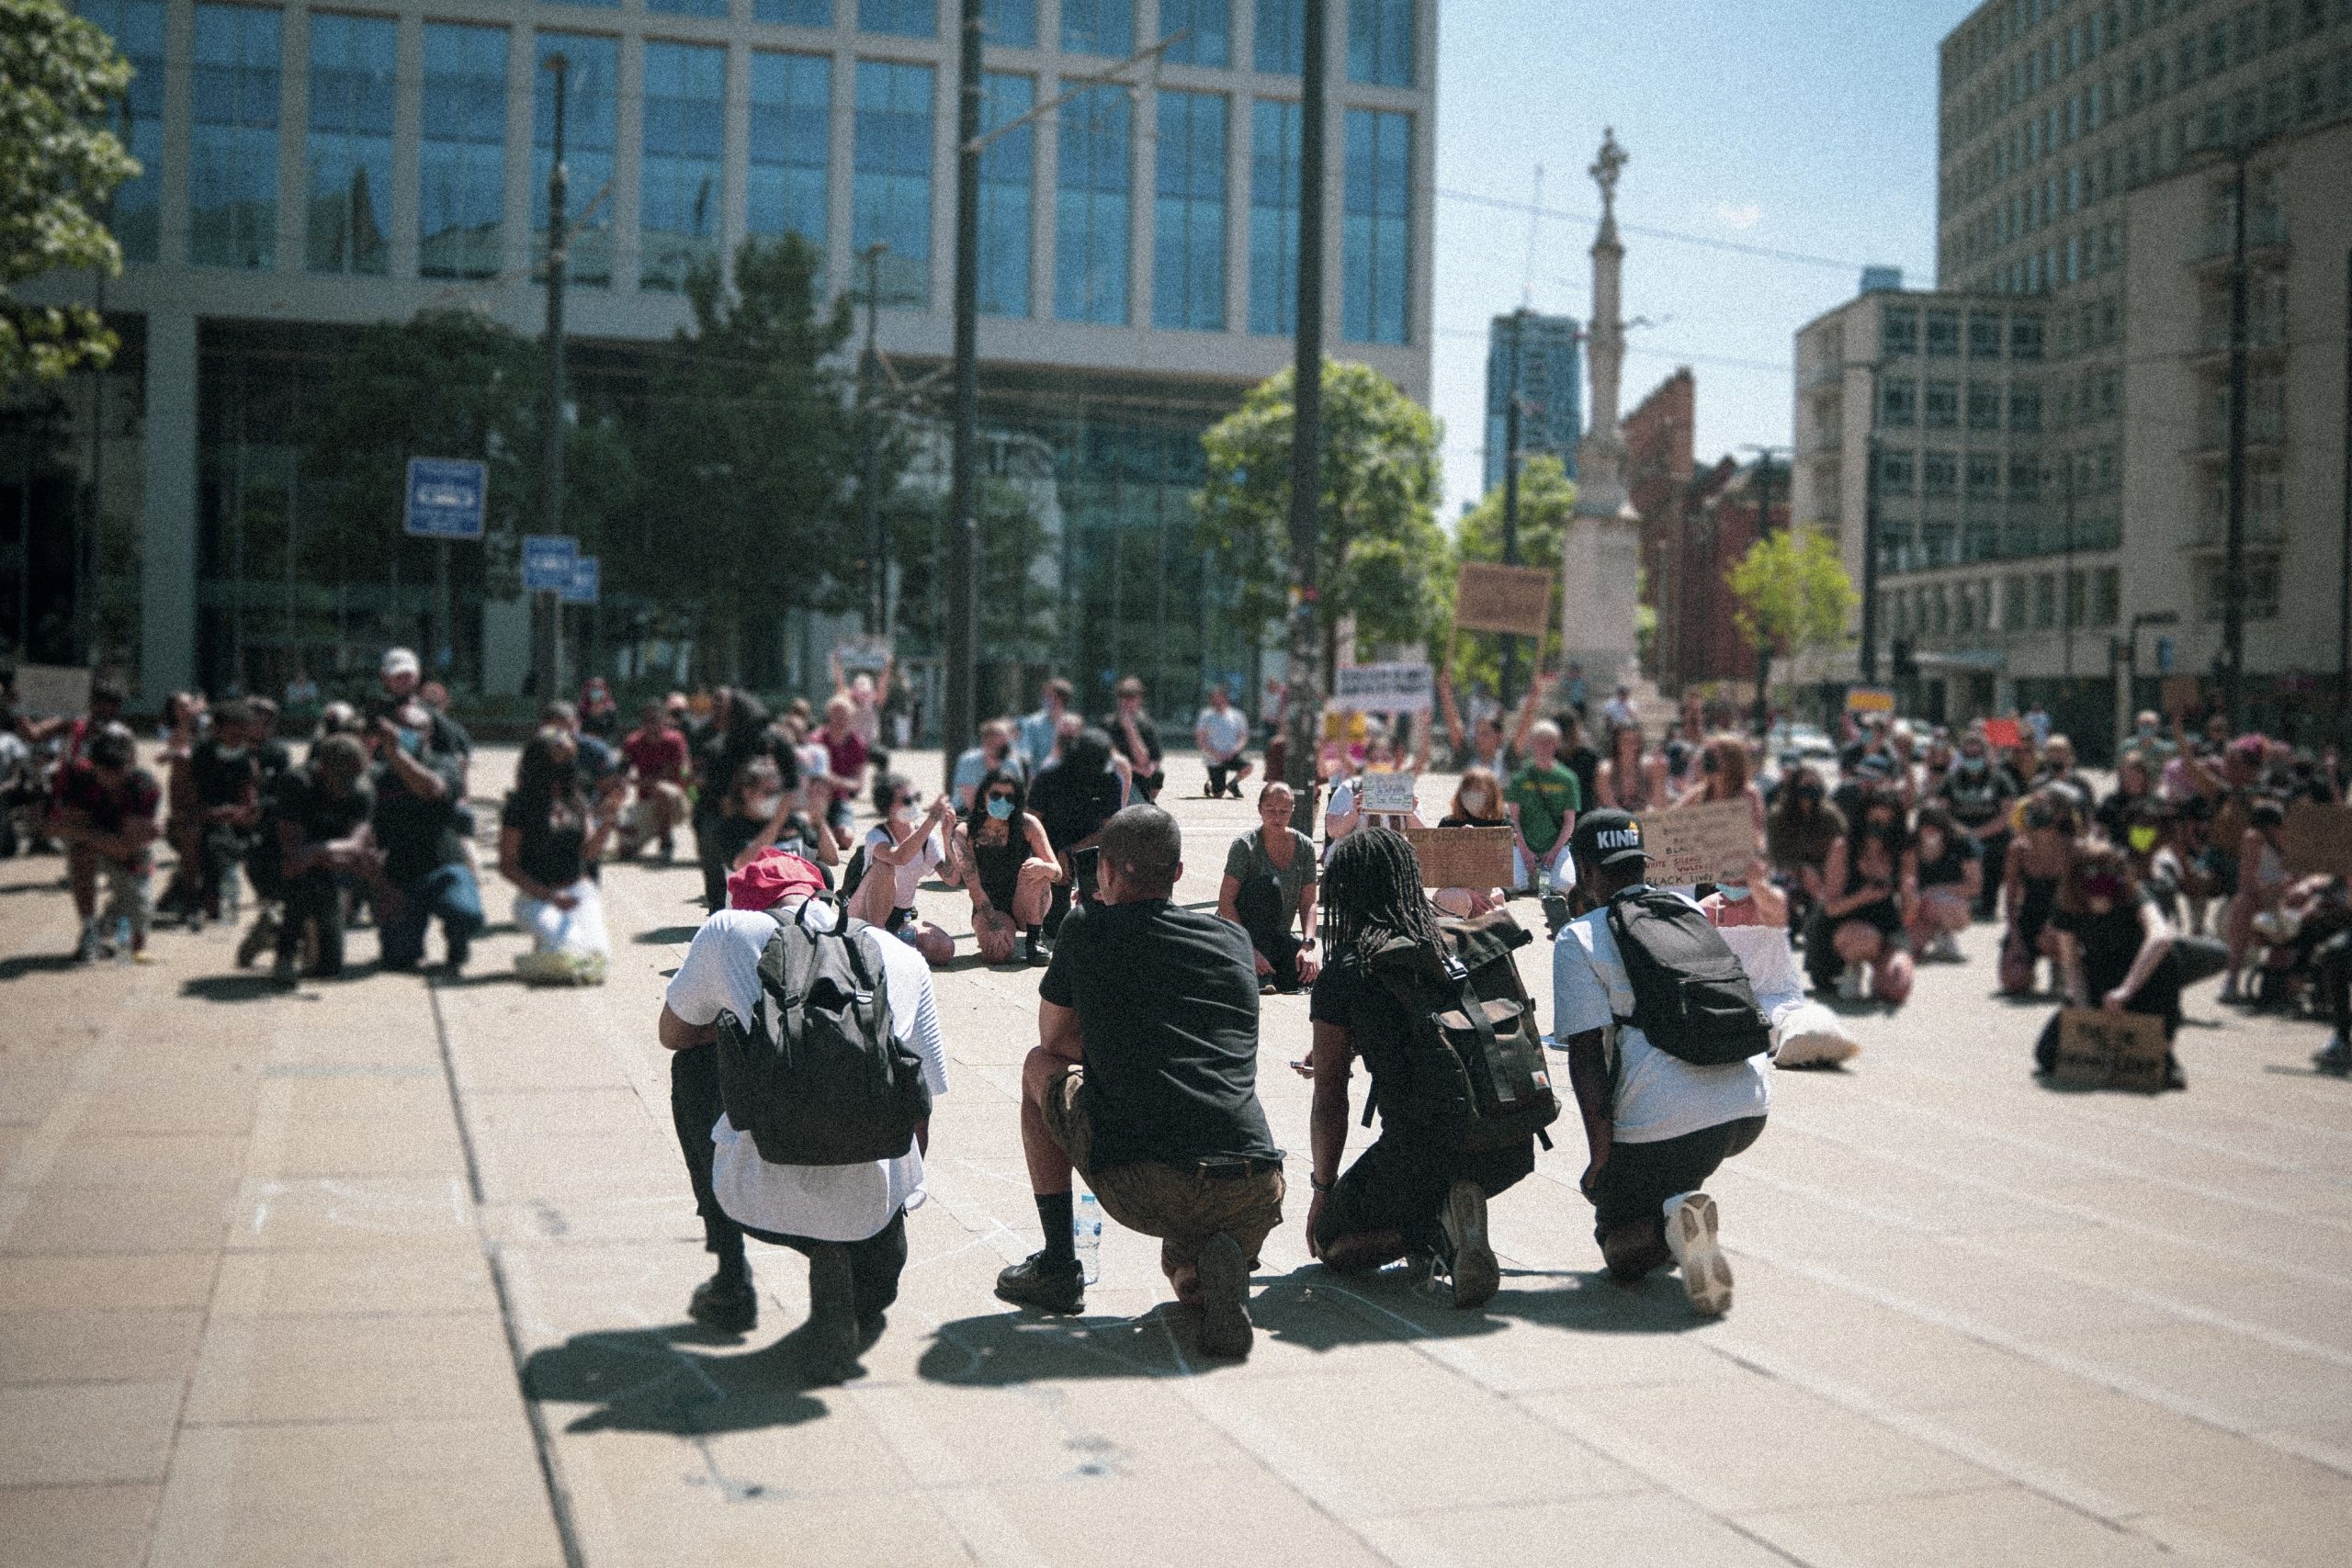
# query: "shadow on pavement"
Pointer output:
{"type": "Point", "coordinates": [444, 980]}
{"type": "Point", "coordinates": [653, 1380]}
{"type": "Point", "coordinates": [232, 988]}
{"type": "Point", "coordinates": [26, 963]}
{"type": "Point", "coordinates": [667, 936]}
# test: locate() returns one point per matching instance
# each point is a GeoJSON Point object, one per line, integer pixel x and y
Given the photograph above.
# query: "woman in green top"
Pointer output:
{"type": "Point", "coordinates": [1270, 882]}
{"type": "Point", "coordinates": [1543, 802]}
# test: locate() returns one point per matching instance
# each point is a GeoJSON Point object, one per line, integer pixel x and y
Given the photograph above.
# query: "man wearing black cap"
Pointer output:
{"type": "Point", "coordinates": [1657, 1125]}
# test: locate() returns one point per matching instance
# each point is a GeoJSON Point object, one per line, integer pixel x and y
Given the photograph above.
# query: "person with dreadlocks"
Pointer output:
{"type": "Point", "coordinates": [1414, 1194]}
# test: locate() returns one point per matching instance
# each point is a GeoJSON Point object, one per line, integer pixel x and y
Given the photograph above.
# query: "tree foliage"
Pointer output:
{"type": "Point", "coordinates": [1547, 499]}
{"type": "Point", "coordinates": [1383, 559]}
{"type": "Point", "coordinates": [58, 74]}
{"type": "Point", "coordinates": [1792, 592]}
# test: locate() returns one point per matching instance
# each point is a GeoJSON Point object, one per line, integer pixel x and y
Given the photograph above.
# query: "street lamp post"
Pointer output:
{"type": "Point", "coordinates": [551, 481]}
{"type": "Point", "coordinates": [1764, 453]}
{"type": "Point", "coordinates": [1509, 687]}
{"type": "Point", "coordinates": [1306, 422]}
{"type": "Point", "coordinates": [870, 441]}
{"type": "Point", "coordinates": [964, 599]}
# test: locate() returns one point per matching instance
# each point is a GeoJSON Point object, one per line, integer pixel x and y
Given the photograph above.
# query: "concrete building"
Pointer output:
{"type": "Point", "coordinates": [2050, 424]}
{"type": "Point", "coordinates": [1658, 474]}
{"type": "Point", "coordinates": [309, 171]}
{"type": "Point", "coordinates": [1540, 356]}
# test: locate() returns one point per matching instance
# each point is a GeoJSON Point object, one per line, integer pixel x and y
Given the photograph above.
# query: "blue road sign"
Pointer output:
{"type": "Point", "coordinates": [446, 497]}
{"type": "Point", "coordinates": [582, 588]}
{"type": "Point", "coordinates": [546, 562]}
{"type": "Point", "coordinates": [2164, 656]}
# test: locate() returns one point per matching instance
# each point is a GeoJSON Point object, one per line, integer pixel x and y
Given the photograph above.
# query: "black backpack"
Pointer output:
{"type": "Point", "coordinates": [1692, 998]}
{"type": "Point", "coordinates": [1469, 1070]}
{"type": "Point", "coordinates": [815, 1075]}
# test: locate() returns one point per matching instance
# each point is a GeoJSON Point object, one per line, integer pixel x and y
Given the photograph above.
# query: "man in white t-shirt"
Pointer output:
{"type": "Point", "coordinates": [1221, 732]}
{"type": "Point", "coordinates": [850, 1220]}
{"type": "Point", "coordinates": [1658, 1126]}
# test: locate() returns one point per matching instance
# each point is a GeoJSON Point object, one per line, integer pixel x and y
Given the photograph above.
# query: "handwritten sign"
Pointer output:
{"type": "Point", "coordinates": [1513, 599]}
{"type": "Point", "coordinates": [868, 653]}
{"type": "Point", "coordinates": [1393, 792]}
{"type": "Point", "coordinates": [48, 691]}
{"type": "Point", "coordinates": [1464, 857]}
{"type": "Point", "coordinates": [1382, 688]}
{"type": "Point", "coordinates": [1869, 699]}
{"type": "Point", "coordinates": [2110, 1050]}
{"type": "Point", "coordinates": [2181, 694]}
{"type": "Point", "coordinates": [1714, 842]}
{"type": "Point", "coordinates": [2318, 840]}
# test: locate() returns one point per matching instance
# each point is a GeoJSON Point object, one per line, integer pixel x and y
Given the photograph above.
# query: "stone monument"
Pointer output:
{"type": "Point", "coordinates": [1600, 556]}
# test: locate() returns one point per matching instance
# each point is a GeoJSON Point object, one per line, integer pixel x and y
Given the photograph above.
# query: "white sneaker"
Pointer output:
{"type": "Point", "coordinates": [1690, 1236]}
{"type": "Point", "coordinates": [1947, 949]}
{"type": "Point", "coordinates": [1476, 1274]}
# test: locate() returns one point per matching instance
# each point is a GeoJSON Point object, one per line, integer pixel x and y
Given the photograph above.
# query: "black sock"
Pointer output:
{"type": "Point", "coordinates": [733, 1269]}
{"type": "Point", "coordinates": [1054, 1214]}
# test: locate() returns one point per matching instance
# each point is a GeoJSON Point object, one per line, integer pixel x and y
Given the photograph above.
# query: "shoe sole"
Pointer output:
{"type": "Point", "coordinates": [1706, 1275]}
{"type": "Point", "coordinates": [1226, 1330]}
{"type": "Point", "coordinates": [1074, 1306]}
{"type": "Point", "coordinates": [1476, 1276]}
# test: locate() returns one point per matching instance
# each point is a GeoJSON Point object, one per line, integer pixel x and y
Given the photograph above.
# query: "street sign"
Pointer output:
{"type": "Point", "coordinates": [1869, 699]}
{"type": "Point", "coordinates": [446, 497]}
{"type": "Point", "coordinates": [2164, 656]}
{"type": "Point", "coordinates": [581, 589]}
{"type": "Point", "coordinates": [1399, 687]}
{"type": "Point", "coordinates": [546, 562]}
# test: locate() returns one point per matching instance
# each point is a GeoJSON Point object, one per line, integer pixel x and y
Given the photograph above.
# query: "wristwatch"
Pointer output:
{"type": "Point", "coordinates": [1320, 1185]}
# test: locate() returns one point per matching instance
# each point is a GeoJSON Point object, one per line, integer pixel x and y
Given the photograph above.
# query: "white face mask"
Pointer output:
{"type": "Point", "coordinates": [1732, 892]}
{"type": "Point", "coordinates": [766, 805]}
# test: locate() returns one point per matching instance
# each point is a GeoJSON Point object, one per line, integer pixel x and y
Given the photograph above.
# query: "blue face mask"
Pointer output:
{"type": "Point", "coordinates": [1732, 892]}
{"type": "Point", "coordinates": [999, 808]}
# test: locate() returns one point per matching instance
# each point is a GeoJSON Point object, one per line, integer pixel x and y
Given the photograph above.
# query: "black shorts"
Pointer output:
{"type": "Point", "coordinates": [1639, 1178]}
{"type": "Point", "coordinates": [1400, 1184]}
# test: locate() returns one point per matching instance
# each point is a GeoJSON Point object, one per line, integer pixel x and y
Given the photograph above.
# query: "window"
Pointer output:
{"type": "Point", "coordinates": [2025, 479]}
{"type": "Point", "coordinates": [136, 28]}
{"type": "Point", "coordinates": [590, 128]}
{"type": "Point", "coordinates": [905, 18]}
{"type": "Point", "coordinates": [461, 153]}
{"type": "Point", "coordinates": [1939, 473]}
{"type": "Point", "coordinates": [789, 146]}
{"type": "Point", "coordinates": [1984, 407]}
{"type": "Point", "coordinates": [1008, 180]}
{"type": "Point", "coordinates": [1092, 206]}
{"type": "Point", "coordinates": [349, 154]}
{"type": "Point", "coordinates": [2106, 596]}
{"type": "Point", "coordinates": [2013, 605]}
{"type": "Point", "coordinates": [2025, 337]}
{"type": "Point", "coordinates": [890, 179]}
{"type": "Point", "coordinates": [2025, 409]}
{"type": "Point", "coordinates": [1010, 23]}
{"type": "Point", "coordinates": [1899, 402]}
{"type": "Point", "coordinates": [1942, 408]}
{"type": "Point", "coordinates": [1188, 221]}
{"type": "Point", "coordinates": [1984, 336]}
{"type": "Point", "coordinates": [2045, 601]}
{"type": "Point", "coordinates": [1897, 473]}
{"type": "Point", "coordinates": [1380, 43]}
{"type": "Point", "coordinates": [1208, 28]}
{"type": "Point", "coordinates": [678, 179]}
{"type": "Point", "coordinates": [1899, 332]}
{"type": "Point", "coordinates": [1280, 44]}
{"type": "Point", "coordinates": [2078, 596]}
{"type": "Point", "coordinates": [233, 140]}
{"type": "Point", "coordinates": [1943, 333]}
{"type": "Point", "coordinates": [794, 13]}
{"type": "Point", "coordinates": [1984, 476]}
{"type": "Point", "coordinates": [1098, 26]}
{"type": "Point", "coordinates": [689, 7]}
{"type": "Point", "coordinates": [2261, 584]}
{"type": "Point", "coordinates": [1374, 241]}
{"type": "Point", "coordinates": [1273, 213]}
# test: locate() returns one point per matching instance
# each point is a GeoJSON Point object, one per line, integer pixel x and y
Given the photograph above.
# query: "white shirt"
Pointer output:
{"type": "Point", "coordinates": [909, 876]}
{"type": "Point", "coordinates": [825, 1203]}
{"type": "Point", "coordinates": [1221, 733]}
{"type": "Point", "coordinates": [1764, 953]}
{"type": "Point", "coordinates": [1660, 1096]}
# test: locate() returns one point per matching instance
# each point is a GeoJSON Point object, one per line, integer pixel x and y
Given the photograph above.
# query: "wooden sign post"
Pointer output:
{"type": "Point", "coordinates": [2097, 1049]}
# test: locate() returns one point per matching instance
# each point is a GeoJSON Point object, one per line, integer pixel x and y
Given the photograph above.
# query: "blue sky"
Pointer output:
{"type": "Point", "coordinates": [1797, 125]}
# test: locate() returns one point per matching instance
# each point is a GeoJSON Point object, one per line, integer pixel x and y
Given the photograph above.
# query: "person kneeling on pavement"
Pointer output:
{"type": "Point", "coordinates": [1667, 1054]}
{"type": "Point", "coordinates": [1438, 1015]}
{"type": "Point", "coordinates": [1145, 1078]}
{"type": "Point", "coordinates": [802, 1126]}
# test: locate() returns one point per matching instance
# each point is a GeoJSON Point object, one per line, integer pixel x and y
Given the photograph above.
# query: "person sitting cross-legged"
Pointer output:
{"type": "Point", "coordinates": [1145, 1078]}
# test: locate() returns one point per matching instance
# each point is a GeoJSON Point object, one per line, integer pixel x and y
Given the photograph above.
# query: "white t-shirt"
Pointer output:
{"type": "Point", "coordinates": [1225, 731]}
{"type": "Point", "coordinates": [826, 1202]}
{"type": "Point", "coordinates": [1660, 1096]}
{"type": "Point", "coordinates": [909, 876]}
{"type": "Point", "coordinates": [1771, 965]}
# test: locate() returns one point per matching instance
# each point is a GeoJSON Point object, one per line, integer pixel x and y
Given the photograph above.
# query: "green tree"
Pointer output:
{"type": "Point", "coordinates": [1792, 592]}
{"type": "Point", "coordinates": [1547, 499]}
{"type": "Point", "coordinates": [58, 77]}
{"type": "Point", "coordinates": [1383, 559]}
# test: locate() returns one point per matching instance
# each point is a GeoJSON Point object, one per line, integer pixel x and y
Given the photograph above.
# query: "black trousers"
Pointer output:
{"type": "Point", "coordinates": [316, 897]}
{"type": "Point", "coordinates": [1637, 1179]}
{"type": "Point", "coordinates": [1401, 1182]}
{"type": "Point", "coordinates": [875, 1264]}
{"type": "Point", "coordinates": [1220, 774]}
{"type": "Point", "coordinates": [1259, 904]}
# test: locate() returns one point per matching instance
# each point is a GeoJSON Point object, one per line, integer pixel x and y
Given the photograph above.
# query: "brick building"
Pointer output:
{"type": "Point", "coordinates": [1720, 516]}
{"type": "Point", "coordinates": [1658, 471]}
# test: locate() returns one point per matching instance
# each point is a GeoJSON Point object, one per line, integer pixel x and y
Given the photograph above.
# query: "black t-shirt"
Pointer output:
{"type": "Point", "coordinates": [1585, 763]}
{"type": "Point", "coordinates": [1166, 1002]}
{"type": "Point", "coordinates": [1073, 804]}
{"type": "Point", "coordinates": [554, 839]}
{"type": "Point", "coordinates": [222, 778]}
{"type": "Point", "coordinates": [318, 815]}
{"type": "Point", "coordinates": [718, 754]}
{"type": "Point", "coordinates": [2110, 943]}
{"type": "Point", "coordinates": [449, 736]}
{"type": "Point", "coordinates": [1975, 799]}
{"type": "Point", "coordinates": [275, 761]}
{"type": "Point", "coordinates": [1146, 731]}
{"type": "Point", "coordinates": [1950, 868]}
{"type": "Point", "coordinates": [1377, 1028]}
{"type": "Point", "coordinates": [419, 836]}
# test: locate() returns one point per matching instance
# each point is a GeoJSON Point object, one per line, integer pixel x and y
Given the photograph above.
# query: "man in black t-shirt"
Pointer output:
{"type": "Point", "coordinates": [1136, 738]}
{"type": "Point", "coordinates": [320, 821]}
{"type": "Point", "coordinates": [1145, 1079]}
{"type": "Point", "coordinates": [420, 790]}
{"type": "Point", "coordinates": [226, 776]}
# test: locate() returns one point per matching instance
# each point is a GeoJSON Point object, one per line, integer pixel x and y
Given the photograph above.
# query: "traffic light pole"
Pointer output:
{"type": "Point", "coordinates": [963, 505]}
{"type": "Point", "coordinates": [1508, 688]}
{"type": "Point", "coordinates": [547, 614]}
{"type": "Point", "coordinates": [1306, 422]}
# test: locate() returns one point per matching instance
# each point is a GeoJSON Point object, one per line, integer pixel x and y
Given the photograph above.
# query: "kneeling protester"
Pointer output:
{"type": "Point", "coordinates": [807, 1058]}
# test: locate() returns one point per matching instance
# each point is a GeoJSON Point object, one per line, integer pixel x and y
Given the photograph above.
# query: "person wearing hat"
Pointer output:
{"type": "Point", "coordinates": [1657, 1126]}
{"type": "Point", "coordinates": [849, 1220]}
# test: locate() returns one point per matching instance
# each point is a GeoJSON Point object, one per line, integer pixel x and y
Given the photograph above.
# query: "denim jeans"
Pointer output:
{"type": "Point", "coordinates": [447, 891]}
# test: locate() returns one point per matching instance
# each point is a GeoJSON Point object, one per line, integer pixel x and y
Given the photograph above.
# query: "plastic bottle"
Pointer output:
{"type": "Point", "coordinates": [1086, 1234]}
{"type": "Point", "coordinates": [122, 939]}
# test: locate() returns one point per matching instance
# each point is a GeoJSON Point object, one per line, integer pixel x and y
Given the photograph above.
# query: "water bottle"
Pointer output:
{"type": "Point", "coordinates": [1086, 1235]}
{"type": "Point", "coordinates": [122, 939]}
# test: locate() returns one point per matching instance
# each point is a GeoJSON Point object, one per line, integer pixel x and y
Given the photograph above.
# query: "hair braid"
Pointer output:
{"type": "Point", "coordinates": [1372, 888]}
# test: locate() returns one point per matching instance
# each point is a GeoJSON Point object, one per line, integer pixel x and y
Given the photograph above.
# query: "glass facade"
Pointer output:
{"type": "Point", "coordinates": [1011, 24]}
{"type": "Point", "coordinates": [1380, 43]}
{"type": "Point", "coordinates": [589, 136]}
{"type": "Point", "coordinates": [1207, 27]}
{"type": "Point", "coordinates": [1092, 207]}
{"type": "Point", "coordinates": [233, 140]}
{"type": "Point", "coordinates": [1273, 216]}
{"type": "Point", "coordinates": [461, 153]}
{"type": "Point", "coordinates": [679, 173]}
{"type": "Point", "coordinates": [792, 102]}
{"type": "Point", "coordinates": [1008, 177]}
{"type": "Point", "coordinates": [907, 18]}
{"type": "Point", "coordinates": [1280, 44]}
{"type": "Point", "coordinates": [687, 7]}
{"type": "Point", "coordinates": [794, 13]}
{"type": "Point", "coordinates": [1374, 234]}
{"type": "Point", "coordinates": [1188, 217]}
{"type": "Point", "coordinates": [890, 193]}
{"type": "Point", "coordinates": [348, 158]}
{"type": "Point", "coordinates": [1099, 27]}
{"type": "Point", "coordinates": [136, 28]}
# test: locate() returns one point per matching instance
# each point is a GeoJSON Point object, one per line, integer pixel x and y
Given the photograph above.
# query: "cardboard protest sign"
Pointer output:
{"type": "Point", "coordinates": [1401, 687]}
{"type": "Point", "coordinates": [2097, 1049]}
{"type": "Point", "coordinates": [2318, 840]}
{"type": "Point", "coordinates": [870, 654]}
{"type": "Point", "coordinates": [2181, 694]}
{"type": "Point", "coordinates": [1464, 857]}
{"type": "Point", "coordinates": [1869, 699]}
{"type": "Point", "coordinates": [1714, 842]}
{"type": "Point", "coordinates": [1513, 599]}
{"type": "Point", "coordinates": [2001, 733]}
{"type": "Point", "coordinates": [49, 690]}
{"type": "Point", "coordinates": [1388, 791]}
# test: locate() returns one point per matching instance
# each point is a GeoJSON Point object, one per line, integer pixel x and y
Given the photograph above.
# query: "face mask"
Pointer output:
{"type": "Point", "coordinates": [903, 812]}
{"type": "Point", "coordinates": [766, 805]}
{"type": "Point", "coordinates": [2143, 839]}
{"type": "Point", "coordinates": [2147, 730]}
{"type": "Point", "coordinates": [231, 753]}
{"type": "Point", "coordinates": [1972, 764]}
{"type": "Point", "coordinates": [999, 808]}
{"type": "Point", "coordinates": [1732, 892]}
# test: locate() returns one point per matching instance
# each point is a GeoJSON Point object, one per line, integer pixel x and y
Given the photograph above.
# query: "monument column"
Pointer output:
{"type": "Point", "coordinates": [1601, 554]}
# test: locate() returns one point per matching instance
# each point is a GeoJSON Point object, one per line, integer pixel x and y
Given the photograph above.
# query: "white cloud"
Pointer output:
{"type": "Point", "coordinates": [1742, 217]}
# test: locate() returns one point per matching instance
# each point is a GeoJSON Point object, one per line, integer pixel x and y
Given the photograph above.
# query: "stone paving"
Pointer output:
{"type": "Point", "coordinates": [389, 1271]}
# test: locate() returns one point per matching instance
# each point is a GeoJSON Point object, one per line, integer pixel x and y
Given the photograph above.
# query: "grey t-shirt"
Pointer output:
{"type": "Point", "coordinates": [1248, 858]}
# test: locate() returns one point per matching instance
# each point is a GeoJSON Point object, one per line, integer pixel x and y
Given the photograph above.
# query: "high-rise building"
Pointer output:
{"type": "Point", "coordinates": [308, 172]}
{"type": "Point", "coordinates": [1538, 354]}
{"type": "Point", "coordinates": [2049, 427]}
